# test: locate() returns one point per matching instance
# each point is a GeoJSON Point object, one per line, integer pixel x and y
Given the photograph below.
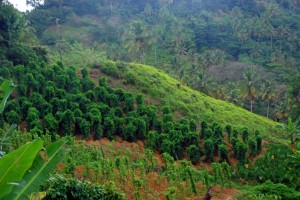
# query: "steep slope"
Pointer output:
{"type": "Point", "coordinates": [163, 90]}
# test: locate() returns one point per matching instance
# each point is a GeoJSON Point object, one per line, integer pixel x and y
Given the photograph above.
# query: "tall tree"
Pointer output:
{"type": "Point", "coordinates": [137, 39]}
{"type": "Point", "coordinates": [249, 87]}
{"type": "Point", "coordinates": [268, 94]}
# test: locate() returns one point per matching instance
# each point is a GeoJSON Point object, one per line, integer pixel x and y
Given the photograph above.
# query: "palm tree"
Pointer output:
{"type": "Point", "coordinates": [202, 81]}
{"type": "Point", "coordinates": [137, 40]}
{"type": "Point", "coordinates": [268, 94]}
{"type": "Point", "coordinates": [249, 89]}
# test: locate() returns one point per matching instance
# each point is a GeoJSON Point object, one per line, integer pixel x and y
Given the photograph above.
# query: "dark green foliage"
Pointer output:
{"type": "Point", "coordinates": [59, 187]}
{"type": "Point", "coordinates": [13, 117]}
{"type": "Point", "coordinates": [241, 150]}
{"type": "Point", "coordinates": [278, 165]}
{"type": "Point", "coordinates": [167, 118]}
{"type": "Point", "coordinates": [193, 125]}
{"type": "Point", "coordinates": [129, 106]}
{"type": "Point", "coordinates": [87, 84]}
{"type": "Point", "coordinates": [217, 137]}
{"type": "Point", "coordinates": [49, 92]}
{"type": "Point", "coordinates": [158, 125]}
{"type": "Point", "coordinates": [252, 147]}
{"type": "Point", "coordinates": [33, 118]}
{"type": "Point", "coordinates": [84, 73]}
{"type": "Point", "coordinates": [223, 153]}
{"type": "Point", "coordinates": [229, 131]}
{"type": "Point", "coordinates": [67, 122]}
{"type": "Point", "coordinates": [204, 125]}
{"type": "Point", "coordinates": [98, 131]}
{"type": "Point", "coordinates": [209, 149]}
{"type": "Point", "coordinates": [166, 110]}
{"type": "Point", "coordinates": [235, 133]}
{"type": "Point", "coordinates": [245, 135]}
{"type": "Point", "coordinates": [21, 90]}
{"type": "Point", "coordinates": [191, 138]}
{"type": "Point", "coordinates": [173, 148]}
{"type": "Point", "coordinates": [119, 122]}
{"type": "Point", "coordinates": [207, 133]}
{"type": "Point", "coordinates": [185, 129]}
{"type": "Point", "coordinates": [109, 128]}
{"type": "Point", "coordinates": [50, 124]}
{"type": "Point", "coordinates": [102, 82]}
{"type": "Point", "coordinates": [140, 125]}
{"type": "Point", "coordinates": [233, 142]}
{"type": "Point", "coordinates": [128, 133]}
{"type": "Point", "coordinates": [85, 128]}
{"type": "Point", "coordinates": [194, 153]}
{"type": "Point", "coordinates": [279, 190]}
{"type": "Point", "coordinates": [167, 127]}
{"type": "Point", "coordinates": [258, 144]}
{"type": "Point", "coordinates": [90, 95]}
{"type": "Point", "coordinates": [139, 99]}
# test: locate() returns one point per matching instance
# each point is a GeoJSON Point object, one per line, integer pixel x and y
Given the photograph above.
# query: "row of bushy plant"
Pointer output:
{"type": "Point", "coordinates": [54, 99]}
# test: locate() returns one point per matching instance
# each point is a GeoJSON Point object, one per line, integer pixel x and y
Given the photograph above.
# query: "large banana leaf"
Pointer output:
{"type": "Point", "coordinates": [6, 89]}
{"type": "Point", "coordinates": [41, 171]}
{"type": "Point", "coordinates": [14, 165]}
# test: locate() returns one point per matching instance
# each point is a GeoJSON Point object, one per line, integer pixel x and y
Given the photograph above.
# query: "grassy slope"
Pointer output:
{"type": "Point", "coordinates": [160, 89]}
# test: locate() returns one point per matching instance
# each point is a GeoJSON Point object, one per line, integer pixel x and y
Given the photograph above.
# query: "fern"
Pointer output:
{"type": "Point", "coordinates": [14, 165]}
{"type": "Point", "coordinates": [40, 171]}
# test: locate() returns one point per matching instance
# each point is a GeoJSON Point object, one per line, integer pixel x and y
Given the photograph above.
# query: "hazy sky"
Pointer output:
{"type": "Point", "coordinates": [20, 5]}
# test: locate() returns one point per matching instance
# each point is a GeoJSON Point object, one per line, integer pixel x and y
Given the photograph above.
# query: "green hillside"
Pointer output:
{"type": "Point", "coordinates": [163, 90]}
{"type": "Point", "coordinates": [82, 118]}
{"type": "Point", "coordinates": [199, 42]}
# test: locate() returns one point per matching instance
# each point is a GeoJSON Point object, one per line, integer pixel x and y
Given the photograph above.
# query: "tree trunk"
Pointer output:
{"type": "Point", "coordinates": [251, 105]}
{"type": "Point", "coordinates": [268, 108]}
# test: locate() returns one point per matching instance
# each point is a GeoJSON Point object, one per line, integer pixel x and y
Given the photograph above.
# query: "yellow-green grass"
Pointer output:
{"type": "Point", "coordinates": [163, 90]}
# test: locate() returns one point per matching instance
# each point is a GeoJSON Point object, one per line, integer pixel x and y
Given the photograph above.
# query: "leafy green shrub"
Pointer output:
{"type": "Point", "coordinates": [129, 104]}
{"type": "Point", "coordinates": [158, 125]}
{"type": "Point", "coordinates": [168, 127]}
{"type": "Point", "coordinates": [223, 153]}
{"type": "Point", "coordinates": [241, 150]}
{"type": "Point", "coordinates": [207, 133]}
{"type": "Point", "coordinates": [245, 134]}
{"type": "Point", "coordinates": [209, 149]}
{"type": "Point", "coordinates": [51, 124]}
{"type": "Point", "coordinates": [194, 153]}
{"type": "Point", "coordinates": [167, 118]}
{"type": "Point", "coordinates": [67, 122]}
{"type": "Point", "coordinates": [258, 144]}
{"type": "Point", "coordinates": [33, 118]}
{"type": "Point", "coordinates": [191, 138]}
{"type": "Point", "coordinates": [280, 160]}
{"type": "Point", "coordinates": [228, 129]}
{"type": "Point", "coordinates": [13, 117]}
{"type": "Point", "coordinates": [193, 125]}
{"type": "Point", "coordinates": [108, 127]}
{"type": "Point", "coordinates": [85, 128]}
{"type": "Point", "coordinates": [58, 187]}
{"type": "Point", "coordinates": [128, 132]}
{"type": "Point", "coordinates": [252, 147]}
{"type": "Point", "coordinates": [110, 69]}
{"type": "Point", "coordinates": [235, 133]}
{"type": "Point", "coordinates": [166, 110]}
{"type": "Point", "coordinates": [139, 99]}
{"type": "Point", "coordinates": [280, 190]}
{"type": "Point", "coordinates": [141, 131]}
